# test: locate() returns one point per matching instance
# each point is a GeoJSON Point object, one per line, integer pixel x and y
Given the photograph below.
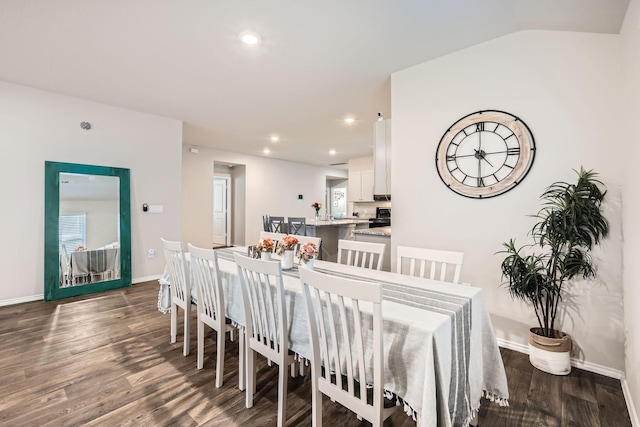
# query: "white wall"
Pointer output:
{"type": "Point", "coordinates": [272, 187]}
{"type": "Point", "coordinates": [36, 126]}
{"type": "Point", "coordinates": [565, 86]}
{"type": "Point", "coordinates": [631, 196]}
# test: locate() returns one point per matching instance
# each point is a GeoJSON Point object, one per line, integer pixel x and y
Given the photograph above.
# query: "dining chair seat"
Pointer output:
{"type": "Point", "coordinates": [432, 263]}
{"type": "Point", "coordinates": [361, 254]}
{"type": "Point", "coordinates": [180, 289]}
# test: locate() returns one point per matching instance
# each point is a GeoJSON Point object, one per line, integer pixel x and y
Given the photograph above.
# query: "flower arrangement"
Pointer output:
{"type": "Point", "coordinates": [265, 245]}
{"type": "Point", "coordinates": [287, 243]}
{"type": "Point", "coordinates": [317, 207]}
{"type": "Point", "coordinates": [308, 251]}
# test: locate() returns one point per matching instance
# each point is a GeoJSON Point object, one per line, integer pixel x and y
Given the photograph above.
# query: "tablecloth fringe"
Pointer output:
{"type": "Point", "coordinates": [494, 397]}
{"type": "Point", "coordinates": [399, 402]}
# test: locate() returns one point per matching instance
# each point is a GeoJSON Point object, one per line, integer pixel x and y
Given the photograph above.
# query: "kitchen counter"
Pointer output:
{"type": "Point", "coordinates": [379, 231]}
{"type": "Point", "coordinates": [335, 222]}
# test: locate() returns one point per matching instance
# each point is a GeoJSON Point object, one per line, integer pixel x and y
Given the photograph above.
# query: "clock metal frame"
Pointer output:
{"type": "Point", "coordinates": [505, 167]}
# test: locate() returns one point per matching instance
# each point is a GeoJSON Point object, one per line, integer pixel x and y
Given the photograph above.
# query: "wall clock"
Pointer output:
{"type": "Point", "coordinates": [485, 154]}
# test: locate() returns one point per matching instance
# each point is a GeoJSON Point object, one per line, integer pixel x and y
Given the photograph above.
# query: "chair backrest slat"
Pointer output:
{"type": "Point", "coordinates": [297, 225]}
{"type": "Point", "coordinates": [206, 275]}
{"type": "Point", "coordinates": [337, 305]}
{"type": "Point", "coordinates": [361, 254]}
{"type": "Point", "coordinates": [437, 264]}
{"type": "Point", "coordinates": [263, 297]}
{"type": "Point", "coordinates": [180, 288]}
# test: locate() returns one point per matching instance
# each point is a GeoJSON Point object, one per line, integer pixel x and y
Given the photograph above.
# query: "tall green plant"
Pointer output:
{"type": "Point", "coordinates": [570, 224]}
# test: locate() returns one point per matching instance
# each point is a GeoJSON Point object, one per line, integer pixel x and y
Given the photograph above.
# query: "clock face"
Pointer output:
{"type": "Point", "coordinates": [485, 154]}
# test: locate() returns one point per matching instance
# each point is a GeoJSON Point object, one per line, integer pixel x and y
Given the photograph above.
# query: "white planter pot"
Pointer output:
{"type": "Point", "coordinates": [287, 260]}
{"type": "Point", "coordinates": [308, 264]}
{"type": "Point", "coordinates": [265, 256]}
{"type": "Point", "coordinates": [551, 355]}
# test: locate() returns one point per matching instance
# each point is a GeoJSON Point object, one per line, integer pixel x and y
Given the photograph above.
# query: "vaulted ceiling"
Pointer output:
{"type": "Point", "coordinates": [317, 63]}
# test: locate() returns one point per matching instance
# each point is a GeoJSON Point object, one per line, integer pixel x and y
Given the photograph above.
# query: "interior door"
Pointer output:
{"type": "Point", "coordinates": [220, 211]}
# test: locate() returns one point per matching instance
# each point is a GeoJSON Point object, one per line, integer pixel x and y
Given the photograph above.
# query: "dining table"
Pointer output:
{"type": "Point", "coordinates": [440, 351]}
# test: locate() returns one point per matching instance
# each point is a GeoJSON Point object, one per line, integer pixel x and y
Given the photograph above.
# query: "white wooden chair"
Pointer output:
{"type": "Point", "coordinates": [211, 310]}
{"type": "Point", "coordinates": [337, 308]}
{"type": "Point", "coordinates": [432, 263]}
{"type": "Point", "coordinates": [180, 289]}
{"type": "Point", "coordinates": [360, 254]}
{"type": "Point", "coordinates": [266, 330]}
{"type": "Point", "coordinates": [273, 236]}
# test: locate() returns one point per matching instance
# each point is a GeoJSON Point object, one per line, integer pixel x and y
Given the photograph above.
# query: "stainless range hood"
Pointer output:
{"type": "Point", "coordinates": [382, 160]}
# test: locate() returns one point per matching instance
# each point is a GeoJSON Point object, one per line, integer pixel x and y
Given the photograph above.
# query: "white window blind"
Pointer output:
{"type": "Point", "coordinates": [73, 231]}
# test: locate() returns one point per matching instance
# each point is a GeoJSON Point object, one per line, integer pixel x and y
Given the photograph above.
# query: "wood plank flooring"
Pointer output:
{"type": "Point", "coordinates": [106, 360]}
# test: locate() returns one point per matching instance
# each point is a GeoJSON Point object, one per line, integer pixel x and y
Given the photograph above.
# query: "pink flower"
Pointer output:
{"type": "Point", "coordinates": [288, 242]}
{"type": "Point", "coordinates": [307, 251]}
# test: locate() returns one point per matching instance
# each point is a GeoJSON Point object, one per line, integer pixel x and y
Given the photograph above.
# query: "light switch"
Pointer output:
{"type": "Point", "coordinates": [156, 209]}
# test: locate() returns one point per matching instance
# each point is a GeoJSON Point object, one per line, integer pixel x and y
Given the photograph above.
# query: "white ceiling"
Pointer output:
{"type": "Point", "coordinates": [319, 61]}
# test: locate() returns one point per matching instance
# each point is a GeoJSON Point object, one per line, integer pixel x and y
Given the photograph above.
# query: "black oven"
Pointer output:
{"type": "Point", "coordinates": [382, 219]}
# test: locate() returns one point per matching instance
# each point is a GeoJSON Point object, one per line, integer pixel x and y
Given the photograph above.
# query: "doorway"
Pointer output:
{"type": "Point", "coordinates": [221, 210]}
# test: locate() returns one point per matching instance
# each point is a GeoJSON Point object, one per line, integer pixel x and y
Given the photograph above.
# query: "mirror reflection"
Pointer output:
{"type": "Point", "coordinates": [89, 229]}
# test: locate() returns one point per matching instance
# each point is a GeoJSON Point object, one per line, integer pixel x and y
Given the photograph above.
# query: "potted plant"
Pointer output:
{"type": "Point", "coordinates": [286, 246]}
{"type": "Point", "coordinates": [570, 223]}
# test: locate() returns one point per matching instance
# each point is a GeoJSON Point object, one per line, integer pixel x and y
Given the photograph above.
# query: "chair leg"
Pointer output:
{"type": "Point", "coordinates": [251, 375]}
{"type": "Point", "coordinates": [316, 403]}
{"type": "Point", "coordinates": [282, 394]}
{"type": "Point", "coordinates": [294, 369]}
{"type": "Point", "coordinates": [222, 336]}
{"type": "Point", "coordinates": [242, 381]}
{"type": "Point", "coordinates": [174, 323]}
{"type": "Point", "coordinates": [187, 330]}
{"type": "Point", "coordinates": [302, 361]}
{"type": "Point", "coordinates": [200, 362]}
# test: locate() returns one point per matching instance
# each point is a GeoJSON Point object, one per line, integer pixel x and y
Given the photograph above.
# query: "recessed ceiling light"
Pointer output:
{"type": "Point", "coordinates": [266, 151]}
{"type": "Point", "coordinates": [274, 138]}
{"type": "Point", "coordinates": [332, 152]}
{"type": "Point", "coordinates": [349, 120]}
{"type": "Point", "coordinates": [249, 37]}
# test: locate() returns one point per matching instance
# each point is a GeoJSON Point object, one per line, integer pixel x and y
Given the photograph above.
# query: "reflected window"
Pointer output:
{"type": "Point", "coordinates": [72, 231]}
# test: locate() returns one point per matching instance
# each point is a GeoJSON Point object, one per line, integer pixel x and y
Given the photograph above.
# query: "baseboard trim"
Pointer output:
{"type": "Point", "coordinates": [635, 421]}
{"type": "Point", "coordinates": [20, 300]}
{"type": "Point", "coordinates": [581, 364]}
{"type": "Point", "coordinates": [146, 279]}
{"type": "Point", "coordinates": [40, 297]}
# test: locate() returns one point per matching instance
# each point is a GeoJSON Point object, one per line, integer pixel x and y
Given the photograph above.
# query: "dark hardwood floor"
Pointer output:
{"type": "Point", "coordinates": [106, 360]}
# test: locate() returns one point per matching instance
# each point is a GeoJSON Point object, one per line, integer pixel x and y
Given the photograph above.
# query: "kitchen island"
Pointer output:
{"type": "Point", "coordinates": [333, 230]}
{"type": "Point", "coordinates": [377, 235]}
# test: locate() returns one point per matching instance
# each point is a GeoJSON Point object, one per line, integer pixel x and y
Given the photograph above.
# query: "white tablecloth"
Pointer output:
{"type": "Point", "coordinates": [441, 354]}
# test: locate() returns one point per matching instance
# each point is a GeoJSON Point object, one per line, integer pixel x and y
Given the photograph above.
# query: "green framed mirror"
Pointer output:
{"type": "Point", "coordinates": [87, 229]}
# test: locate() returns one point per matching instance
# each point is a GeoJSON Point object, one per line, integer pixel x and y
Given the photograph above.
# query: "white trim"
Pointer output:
{"type": "Point", "coordinates": [20, 300]}
{"type": "Point", "coordinates": [635, 421]}
{"type": "Point", "coordinates": [145, 279]}
{"type": "Point", "coordinates": [40, 297]}
{"type": "Point", "coordinates": [581, 364]}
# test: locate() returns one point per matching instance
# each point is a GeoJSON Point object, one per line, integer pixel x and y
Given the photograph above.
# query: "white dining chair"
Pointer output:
{"type": "Point", "coordinates": [273, 236]}
{"type": "Point", "coordinates": [338, 309]}
{"type": "Point", "coordinates": [361, 254]}
{"type": "Point", "coordinates": [432, 263]}
{"type": "Point", "coordinates": [211, 309]}
{"type": "Point", "coordinates": [180, 289]}
{"type": "Point", "coordinates": [266, 330]}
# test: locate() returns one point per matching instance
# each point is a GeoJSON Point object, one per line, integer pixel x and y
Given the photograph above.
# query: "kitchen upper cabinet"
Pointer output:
{"type": "Point", "coordinates": [361, 186]}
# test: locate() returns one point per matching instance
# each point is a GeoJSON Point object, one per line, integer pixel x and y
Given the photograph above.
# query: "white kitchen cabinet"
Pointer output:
{"type": "Point", "coordinates": [361, 186]}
